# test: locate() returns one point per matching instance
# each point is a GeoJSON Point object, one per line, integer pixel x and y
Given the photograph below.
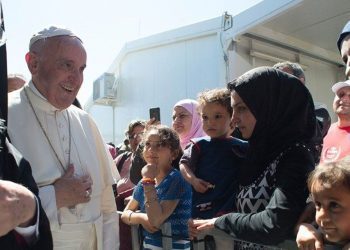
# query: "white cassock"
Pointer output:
{"type": "Point", "coordinates": [92, 225]}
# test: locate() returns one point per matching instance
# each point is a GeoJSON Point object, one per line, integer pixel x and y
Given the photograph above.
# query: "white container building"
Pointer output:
{"type": "Point", "coordinates": [161, 69]}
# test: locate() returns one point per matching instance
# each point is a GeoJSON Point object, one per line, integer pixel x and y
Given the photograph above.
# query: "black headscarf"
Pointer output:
{"type": "Point", "coordinates": [284, 113]}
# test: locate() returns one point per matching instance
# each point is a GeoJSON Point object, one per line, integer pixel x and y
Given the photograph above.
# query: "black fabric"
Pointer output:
{"type": "Point", "coordinates": [137, 163]}
{"type": "Point", "coordinates": [284, 111]}
{"type": "Point", "coordinates": [3, 153]}
{"type": "Point", "coordinates": [3, 104]}
{"type": "Point", "coordinates": [3, 73]}
{"type": "Point", "coordinates": [323, 119]}
{"type": "Point", "coordinates": [18, 170]}
{"type": "Point", "coordinates": [215, 161]}
{"type": "Point", "coordinates": [323, 124]}
{"type": "Point", "coordinates": [77, 104]}
{"type": "Point", "coordinates": [13, 167]}
{"type": "Point", "coordinates": [276, 222]}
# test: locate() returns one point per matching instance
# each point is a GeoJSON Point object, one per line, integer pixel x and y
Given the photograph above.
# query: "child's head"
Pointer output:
{"type": "Point", "coordinates": [329, 185]}
{"type": "Point", "coordinates": [215, 109]}
{"type": "Point", "coordinates": [161, 145]}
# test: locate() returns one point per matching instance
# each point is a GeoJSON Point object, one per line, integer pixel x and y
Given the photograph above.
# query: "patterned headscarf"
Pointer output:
{"type": "Point", "coordinates": [196, 126]}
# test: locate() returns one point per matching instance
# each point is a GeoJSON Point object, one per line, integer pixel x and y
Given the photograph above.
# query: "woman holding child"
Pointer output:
{"type": "Point", "coordinates": [275, 113]}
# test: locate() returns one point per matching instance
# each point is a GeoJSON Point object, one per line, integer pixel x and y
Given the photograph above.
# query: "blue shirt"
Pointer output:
{"type": "Point", "coordinates": [217, 161]}
{"type": "Point", "coordinates": [173, 187]}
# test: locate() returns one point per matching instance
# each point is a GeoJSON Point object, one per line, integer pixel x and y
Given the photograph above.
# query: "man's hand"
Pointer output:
{"type": "Point", "coordinates": [71, 190]}
{"type": "Point", "coordinates": [17, 206]}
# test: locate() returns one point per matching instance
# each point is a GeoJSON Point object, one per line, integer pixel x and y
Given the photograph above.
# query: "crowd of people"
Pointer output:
{"type": "Point", "coordinates": [61, 186]}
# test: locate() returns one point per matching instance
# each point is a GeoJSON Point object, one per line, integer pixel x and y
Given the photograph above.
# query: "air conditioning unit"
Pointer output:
{"type": "Point", "coordinates": [105, 89]}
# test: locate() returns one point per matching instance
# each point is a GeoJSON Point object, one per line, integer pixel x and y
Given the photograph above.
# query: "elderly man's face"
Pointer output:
{"type": "Point", "coordinates": [345, 54]}
{"type": "Point", "coordinates": [341, 103]}
{"type": "Point", "coordinates": [58, 74]}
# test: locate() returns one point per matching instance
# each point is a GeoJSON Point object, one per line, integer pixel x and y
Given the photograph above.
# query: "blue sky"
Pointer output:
{"type": "Point", "coordinates": [104, 25]}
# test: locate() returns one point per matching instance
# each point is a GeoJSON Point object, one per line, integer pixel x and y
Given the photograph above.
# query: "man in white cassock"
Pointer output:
{"type": "Point", "coordinates": [70, 162]}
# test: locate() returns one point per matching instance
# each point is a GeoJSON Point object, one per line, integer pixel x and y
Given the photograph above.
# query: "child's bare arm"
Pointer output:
{"type": "Point", "coordinates": [187, 173]}
{"type": "Point", "coordinates": [158, 212]}
{"type": "Point", "coordinates": [198, 184]}
{"type": "Point", "coordinates": [131, 217]}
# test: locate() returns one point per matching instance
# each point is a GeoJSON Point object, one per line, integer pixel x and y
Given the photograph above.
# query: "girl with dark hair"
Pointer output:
{"type": "Point", "coordinates": [162, 195]}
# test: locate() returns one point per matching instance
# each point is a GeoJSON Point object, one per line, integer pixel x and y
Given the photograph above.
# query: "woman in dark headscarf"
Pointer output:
{"type": "Point", "coordinates": [274, 111]}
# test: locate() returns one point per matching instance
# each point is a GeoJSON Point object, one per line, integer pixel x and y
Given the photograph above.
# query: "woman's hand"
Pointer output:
{"type": "Point", "coordinates": [308, 238]}
{"type": "Point", "coordinates": [150, 171]}
{"type": "Point", "coordinates": [147, 225]}
{"type": "Point", "coordinates": [196, 227]}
